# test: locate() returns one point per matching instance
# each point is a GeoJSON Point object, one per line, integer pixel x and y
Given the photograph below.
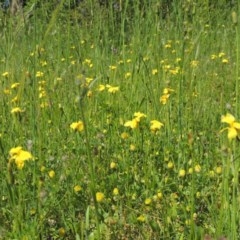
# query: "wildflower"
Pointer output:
{"type": "Point", "coordinates": [6, 91]}
{"type": "Point", "coordinates": [164, 98]}
{"type": "Point", "coordinates": [113, 89]}
{"type": "Point", "coordinates": [61, 231]}
{"type": "Point", "coordinates": [159, 195]}
{"type": "Point", "coordinates": [15, 99]}
{"type": "Point", "coordinates": [77, 188]}
{"type": "Point", "coordinates": [170, 165]}
{"type": "Point", "coordinates": [89, 94]}
{"type": "Point", "coordinates": [99, 197]}
{"type": "Point", "coordinates": [182, 173]}
{"type": "Point", "coordinates": [87, 61]}
{"type": "Point", "coordinates": [5, 74]}
{"type": "Point", "coordinates": [155, 125]}
{"type": "Point", "coordinates": [132, 147]}
{"type": "Point", "coordinates": [148, 201]}
{"type": "Point", "coordinates": [224, 60]}
{"type": "Point", "coordinates": [15, 85]}
{"type": "Point", "coordinates": [154, 71]}
{"type": "Point", "coordinates": [19, 156]}
{"type": "Point", "coordinates": [101, 87]}
{"type": "Point", "coordinates": [127, 75]}
{"type": "Point", "coordinates": [145, 59]}
{"type": "Point", "coordinates": [197, 168]}
{"type": "Point", "coordinates": [221, 54]}
{"type": "Point", "coordinates": [43, 63]}
{"type": "Point", "coordinates": [113, 165]}
{"type": "Point", "coordinates": [139, 115]}
{"type": "Point", "coordinates": [167, 90]}
{"type": "Point", "coordinates": [78, 126]}
{"type": "Point", "coordinates": [115, 191]}
{"type": "Point", "coordinates": [194, 63]}
{"type": "Point", "coordinates": [190, 170]}
{"type": "Point", "coordinates": [16, 110]}
{"type": "Point", "coordinates": [234, 127]}
{"type": "Point", "coordinates": [213, 56]}
{"type": "Point", "coordinates": [218, 170]}
{"type": "Point", "coordinates": [124, 135]}
{"type": "Point", "coordinates": [132, 123]}
{"type": "Point", "coordinates": [39, 74]}
{"type": "Point", "coordinates": [112, 67]}
{"type": "Point", "coordinates": [51, 174]}
{"type": "Point", "coordinates": [141, 218]}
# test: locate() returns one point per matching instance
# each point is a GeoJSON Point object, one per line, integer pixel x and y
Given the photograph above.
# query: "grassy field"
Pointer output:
{"type": "Point", "coordinates": [120, 121]}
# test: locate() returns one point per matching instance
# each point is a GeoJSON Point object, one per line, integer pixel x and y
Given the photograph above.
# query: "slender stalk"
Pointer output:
{"type": "Point", "coordinates": [90, 159]}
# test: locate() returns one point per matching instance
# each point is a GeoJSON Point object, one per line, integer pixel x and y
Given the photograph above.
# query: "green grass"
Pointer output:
{"type": "Point", "coordinates": [178, 182]}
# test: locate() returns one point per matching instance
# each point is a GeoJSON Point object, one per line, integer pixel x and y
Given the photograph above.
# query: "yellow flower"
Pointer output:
{"type": "Point", "coordinates": [77, 188]}
{"type": "Point", "coordinates": [132, 123]}
{"type": "Point", "coordinates": [112, 67]}
{"type": "Point", "coordinates": [15, 85]}
{"type": "Point", "coordinates": [5, 74]}
{"type": "Point", "coordinates": [155, 125]}
{"type": "Point", "coordinates": [170, 165]}
{"type": "Point", "coordinates": [51, 174]}
{"type": "Point", "coordinates": [139, 115]}
{"type": "Point", "coordinates": [16, 110]}
{"type": "Point", "coordinates": [197, 168]}
{"type": "Point", "coordinates": [113, 165]}
{"type": "Point", "coordinates": [115, 191]}
{"type": "Point", "coordinates": [19, 156]}
{"type": "Point", "coordinates": [112, 89]}
{"type": "Point", "coordinates": [99, 196]}
{"type": "Point", "coordinates": [167, 90]}
{"type": "Point", "coordinates": [164, 98]}
{"type": "Point", "coordinates": [78, 126]}
{"type": "Point", "coordinates": [218, 170]}
{"type": "Point", "coordinates": [61, 231]}
{"type": "Point", "coordinates": [159, 195]}
{"type": "Point", "coordinates": [182, 173]}
{"type": "Point", "coordinates": [148, 201]}
{"type": "Point", "coordinates": [132, 147]}
{"type": "Point", "coordinates": [141, 218]}
{"type": "Point", "coordinates": [39, 74]}
{"type": "Point", "coordinates": [154, 71]}
{"type": "Point", "coordinates": [234, 127]}
{"type": "Point", "coordinates": [101, 87]}
{"type": "Point", "coordinates": [124, 135]}
{"type": "Point", "coordinates": [127, 75]}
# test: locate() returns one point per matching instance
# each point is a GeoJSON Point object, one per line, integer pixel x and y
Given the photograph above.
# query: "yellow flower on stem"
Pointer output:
{"type": "Point", "coordinates": [99, 197]}
{"type": "Point", "coordinates": [139, 115]}
{"type": "Point", "coordinates": [155, 125]}
{"type": "Point", "coordinates": [132, 123]}
{"type": "Point", "coordinates": [78, 126]}
{"type": "Point", "coordinates": [19, 156]}
{"type": "Point", "coordinates": [233, 128]}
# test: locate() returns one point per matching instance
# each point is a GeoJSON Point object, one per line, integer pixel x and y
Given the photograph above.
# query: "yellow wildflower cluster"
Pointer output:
{"type": "Point", "coordinates": [42, 94]}
{"type": "Point", "coordinates": [135, 121]}
{"type": "Point", "coordinates": [88, 62]}
{"type": "Point", "coordinates": [166, 94]}
{"type": "Point", "coordinates": [77, 126]}
{"type": "Point", "coordinates": [221, 56]}
{"type": "Point", "coordinates": [110, 89]}
{"type": "Point", "coordinates": [233, 128]}
{"type": "Point", "coordinates": [19, 156]}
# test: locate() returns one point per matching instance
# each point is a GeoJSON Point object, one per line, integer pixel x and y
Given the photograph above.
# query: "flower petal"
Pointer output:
{"type": "Point", "coordinates": [232, 133]}
{"type": "Point", "coordinates": [228, 118]}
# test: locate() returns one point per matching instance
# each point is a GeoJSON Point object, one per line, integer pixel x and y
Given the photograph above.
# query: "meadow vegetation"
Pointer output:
{"type": "Point", "coordinates": [120, 120]}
